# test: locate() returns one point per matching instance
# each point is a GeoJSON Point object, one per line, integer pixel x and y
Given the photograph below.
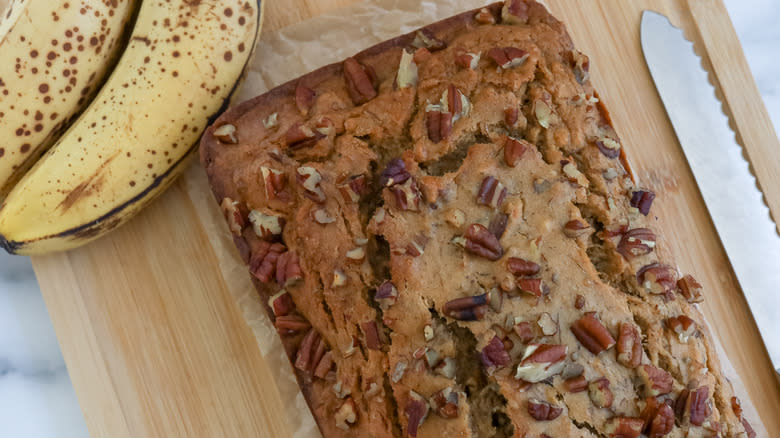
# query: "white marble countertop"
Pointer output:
{"type": "Point", "coordinates": [36, 396]}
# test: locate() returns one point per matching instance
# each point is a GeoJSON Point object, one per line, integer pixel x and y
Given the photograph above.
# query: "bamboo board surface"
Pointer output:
{"type": "Point", "coordinates": [156, 346]}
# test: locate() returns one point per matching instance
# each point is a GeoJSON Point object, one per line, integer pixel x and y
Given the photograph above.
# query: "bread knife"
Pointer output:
{"type": "Point", "coordinates": [730, 193]}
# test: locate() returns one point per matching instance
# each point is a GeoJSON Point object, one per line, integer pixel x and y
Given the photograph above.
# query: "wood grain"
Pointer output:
{"type": "Point", "coordinates": [156, 347]}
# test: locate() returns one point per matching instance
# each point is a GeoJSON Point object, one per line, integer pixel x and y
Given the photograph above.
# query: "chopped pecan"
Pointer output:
{"type": "Point", "coordinates": [656, 381]}
{"type": "Point", "coordinates": [275, 183]}
{"type": "Point", "coordinates": [264, 259]}
{"type": "Point", "coordinates": [581, 66]}
{"type": "Point", "coordinates": [267, 226]}
{"type": "Point", "coordinates": [541, 361]}
{"type": "Point", "coordinates": [407, 71]}
{"type": "Point", "coordinates": [657, 279]}
{"type": "Point", "coordinates": [609, 147]}
{"type": "Point", "coordinates": [522, 267]}
{"type": "Point", "coordinates": [346, 414]}
{"type": "Point", "coordinates": [300, 136]}
{"type": "Point", "coordinates": [310, 352]}
{"type": "Point", "coordinates": [508, 57]}
{"type": "Point", "coordinates": [360, 81]}
{"type": "Point", "coordinates": [680, 404]}
{"type": "Point", "coordinates": [447, 367]}
{"type": "Point", "coordinates": [736, 406]}
{"type": "Point", "coordinates": [407, 195]}
{"type": "Point", "coordinates": [373, 340]}
{"type": "Point", "coordinates": [226, 134]}
{"type": "Point", "coordinates": [629, 345]}
{"type": "Point", "coordinates": [288, 268]}
{"type": "Point", "coordinates": [491, 192]}
{"type": "Point", "coordinates": [514, 150]}
{"type": "Point", "coordinates": [592, 333]}
{"type": "Point", "coordinates": [416, 411]}
{"type": "Point", "coordinates": [572, 369]}
{"type": "Point", "coordinates": [495, 299]}
{"type": "Point", "coordinates": [324, 366]}
{"type": "Point", "coordinates": [525, 331]}
{"type": "Point", "coordinates": [322, 217]}
{"type": "Point", "coordinates": [439, 125]}
{"type": "Point", "coordinates": [642, 200]}
{"type": "Point", "coordinates": [748, 429]}
{"type": "Point", "coordinates": [310, 179]}
{"type": "Point", "coordinates": [484, 16]}
{"type": "Point", "coordinates": [480, 241]}
{"type": "Point", "coordinates": [514, 12]}
{"type": "Point", "coordinates": [271, 121]}
{"type": "Point", "coordinates": [576, 384]}
{"type": "Point", "coordinates": [497, 225]}
{"type": "Point", "coordinates": [386, 295]}
{"type": "Point", "coordinates": [353, 188]}
{"type": "Point", "coordinates": [579, 302]}
{"type": "Point", "coordinates": [624, 427]}
{"type": "Point", "coordinates": [543, 411]}
{"type": "Point", "coordinates": [416, 247]}
{"type": "Point", "coordinates": [662, 422]}
{"type": "Point", "coordinates": [683, 326]}
{"type": "Point", "coordinates": [510, 118]}
{"type": "Point", "coordinates": [544, 114]}
{"type": "Point", "coordinates": [289, 324]}
{"type": "Point", "coordinates": [636, 242]}
{"type": "Point", "coordinates": [698, 405]}
{"type": "Point", "coordinates": [531, 286]}
{"type": "Point", "coordinates": [467, 308]}
{"type": "Point", "coordinates": [573, 174]}
{"type": "Point", "coordinates": [576, 228]}
{"type": "Point", "coordinates": [690, 289]}
{"type": "Point", "coordinates": [548, 325]}
{"type": "Point", "coordinates": [467, 60]}
{"type": "Point", "coordinates": [395, 173]}
{"type": "Point", "coordinates": [445, 403]}
{"type": "Point", "coordinates": [599, 393]}
{"type": "Point", "coordinates": [281, 303]}
{"type": "Point", "coordinates": [493, 355]}
{"type": "Point", "coordinates": [233, 216]}
{"type": "Point", "coordinates": [424, 38]}
{"type": "Point", "coordinates": [304, 98]}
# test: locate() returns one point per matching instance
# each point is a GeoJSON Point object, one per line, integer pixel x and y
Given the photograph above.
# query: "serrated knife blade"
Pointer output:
{"type": "Point", "coordinates": [729, 189]}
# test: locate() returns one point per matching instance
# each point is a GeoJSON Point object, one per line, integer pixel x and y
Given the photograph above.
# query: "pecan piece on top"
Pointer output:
{"type": "Point", "coordinates": [522, 267]}
{"type": "Point", "coordinates": [373, 339]}
{"type": "Point", "coordinates": [540, 362]}
{"type": "Point", "coordinates": [300, 136]}
{"type": "Point", "coordinates": [657, 279]}
{"type": "Point", "coordinates": [599, 392]}
{"type": "Point", "coordinates": [543, 411]}
{"type": "Point", "coordinates": [629, 345]}
{"type": "Point", "coordinates": [690, 289]}
{"type": "Point", "coordinates": [310, 179]}
{"type": "Point", "coordinates": [416, 411]}
{"type": "Point", "coordinates": [232, 213]}
{"type": "Point", "coordinates": [263, 261]}
{"type": "Point", "coordinates": [624, 427]}
{"type": "Point", "coordinates": [480, 241]}
{"type": "Point", "coordinates": [425, 39]}
{"type": "Point", "coordinates": [304, 98]}
{"type": "Point", "coordinates": [636, 242]}
{"type": "Point", "coordinates": [310, 352]}
{"type": "Point", "coordinates": [360, 81]}
{"type": "Point", "coordinates": [445, 402]}
{"type": "Point", "coordinates": [655, 381]}
{"type": "Point", "coordinates": [492, 192]}
{"type": "Point", "coordinates": [508, 57]}
{"type": "Point", "coordinates": [395, 173]}
{"type": "Point", "coordinates": [514, 149]}
{"type": "Point", "coordinates": [698, 406]}
{"type": "Point", "coordinates": [467, 308]}
{"type": "Point", "coordinates": [288, 268]}
{"type": "Point", "coordinates": [494, 355]}
{"type": "Point", "coordinates": [642, 200]}
{"type": "Point", "coordinates": [484, 16]}
{"type": "Point", "coordinates": [662, 422]}
{"type": "Point", "coordinates": [226, 134]}
{"type": "Point", "coordinates": [514, 12]}
{"type": "Point", "coordinates": [407, 195]}
{"type": "Point", "coordinates": [683, 326]}
{"type": "Point", "coordinates": [439, 125]}
{"type": "Point", "coordinates": [290, 324]}
{"type": "Point", "coordinates": [592, 334]}
{"type": "Point", "coordinates": [498, 224]}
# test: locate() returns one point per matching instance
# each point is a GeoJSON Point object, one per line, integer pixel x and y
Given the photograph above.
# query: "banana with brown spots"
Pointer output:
{"type": "Point", "coordinates": [182, 65]}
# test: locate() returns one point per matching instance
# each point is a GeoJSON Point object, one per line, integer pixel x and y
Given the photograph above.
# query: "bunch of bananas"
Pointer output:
{"type": "Point", "coordinates": [86, 139]}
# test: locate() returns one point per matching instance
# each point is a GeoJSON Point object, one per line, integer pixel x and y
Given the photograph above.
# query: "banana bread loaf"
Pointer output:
{"type": "Point", "coordinates": [451, 243]}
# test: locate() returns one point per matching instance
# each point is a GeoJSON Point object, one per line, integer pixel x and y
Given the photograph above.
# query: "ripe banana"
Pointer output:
{"type": "Point", "coordinates": [182, 65]}
{"type": "Point", "coordinates": [54, 56]}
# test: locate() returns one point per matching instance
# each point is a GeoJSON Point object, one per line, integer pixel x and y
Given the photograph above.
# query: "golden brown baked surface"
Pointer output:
{"type": "Point", "coordinates": [451, 244]}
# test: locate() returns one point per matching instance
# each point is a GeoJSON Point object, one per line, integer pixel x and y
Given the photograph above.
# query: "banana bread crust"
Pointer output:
{"type": "Point", "coordinates": [451, 242]}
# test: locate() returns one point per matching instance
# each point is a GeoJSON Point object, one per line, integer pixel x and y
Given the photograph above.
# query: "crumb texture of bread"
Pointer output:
{"type": "Point", "coordinates": [451, 243]}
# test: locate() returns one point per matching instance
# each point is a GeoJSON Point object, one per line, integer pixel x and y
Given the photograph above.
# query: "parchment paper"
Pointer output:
{"type": "Point", "coordinates": [284, 55]}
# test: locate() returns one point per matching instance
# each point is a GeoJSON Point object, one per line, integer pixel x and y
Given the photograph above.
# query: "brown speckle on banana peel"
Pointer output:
{"type": "Point", "coordinates": [55, 57]}
{"type": "Point", "coordinates": [152, 111]}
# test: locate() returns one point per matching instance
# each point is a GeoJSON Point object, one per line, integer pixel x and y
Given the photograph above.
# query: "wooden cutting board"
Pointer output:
{"type": "Point", "coordinates": [157, 347]}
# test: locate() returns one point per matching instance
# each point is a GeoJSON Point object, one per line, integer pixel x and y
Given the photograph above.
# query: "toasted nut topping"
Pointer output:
{"type": "Point", "coordinates": [310, 352]}
{"type": "Point", "coordinates": [304, 98]}
{"type": "Point", "coordinates": [281, 303]}
{"type": "Point", "coordinates": [497, 225]}
{"type": "Point", "coordinates": [579, 302]}
{"type": "Point", "coordinates": [300, 136]}
{"type": "Point", "coordinates": [522, 267]}
{"type": "Point", "coordinates": [416, 411]}
{"type": "Point", "coordinates": [425, 39]}
{"type": "Point", "coordinates": [271, 121]}
{"type": "Point", "coordinates": [322, 217]}
{"type": "Point", "coordinates": [508, 57]}
{"type": "Point", "coordinates": [339, 278]}
{"type": "Point", "coordinates": [346, 414]}
{"type": "Point", "coordinates": [581, 66]}
{"type": "Point", "coordinates": [226, 134]}
{"type": "Point", "coordinates": [360, 81]}
{"type": "Point", "coordinates": [353, 188]}
{"type": "Point", "coordinates": [576, 384]}
{"type": "Point", "coordinates": [439, 125]}
{"type": "Point", "coordinates": [275, 183]}
{"type": "Point", "coordinates": [447, 368]}
{"type": "Point", "coordinates": [467, 308]}
{"type": "Point", "coordinates": [407, 71]}
{"type": "Point", "coordinates": [576, 228]}
{"type": "Point", "coordinates": [386, 295]}
{"type": "Point", "coordinates": [428, 333]}
{"type": "Point", "coordinates": [480, 241]}
{"type": "Point", "coordinates": [642, 200]}
{"type": "Point", "coordinates": [407, 195]}
{"type": "Point", "coordinates": [431, 357]}
{"type": "Point", "coordinates": [233, 216]}
{"type": "Point", "coordinates": [683, 326]}
{"type": "Point", "coordinates": [395, 173]}
{"type": "Point", "coordinates": [493, 355]}
{"type": "Point", "coordinates": [288, 268]}
{"type": "Point", "coordinates": [514, 12]}
{"type": "Point", "coordinates": [356, 254]}
{"type": "Point", "coordinates": [544, 114]}
{"type": "Point", "coordinates": [484, 16]}
{"type": "Point", "coordinates": [373, 340]}
{"type": "Point", "coordinates": [379, 216]}
{"type": "Point", "coordinates": [592, 334]}
{"type": "Point", "coordinates": [573, 174]}
{"type": "Point", "coordinates": [456, 217]}
{"type": "Point", "coordinates": [656, 381]}
{"type": "Point", "coordinates": [514, 150]}
{"type": "Point", "coordinates": [698, 405]}
{"type": "Point", "coordinates": [629, 345]}
{"type": "Point", "coordinates": [265, 225]}
{"type": "Point", "coordinates": [525, 331]}
{"type": "Point", "coordinates": [445, 403]}
{"type": "Point", "coordinates": [624, 427]}
{"type": "Point", "coordinates": [263, 262]}
{"type": "Point", "coordinates": [609, 147]}
{"type": "Point", "coordinates": [324, 366]}
{"type": "Point", "coordinates": [599, 393]}
{"type": "Point", "coordinates": [690, 289]}
{"type": "Point", "coordinates": [541, 361]}
{"type": "Point", "coordinates": [662, 422]}
{"type": "Point", "coordinates": [636, 242]}
{"type": "Point", "coordinates": [510, 118]}
{"type": "Point", "coordinates": [531, 286]}
{"type": "Point", "coordinates": [543, 411]}
{"type": "Point", "coordinates": [467, 60]}
{"type": "Point", "coordinates": [548, 325]}
{"type": "Point", "coordinates": [657, 279]}
{"type": "Point", "coordinates": [310, 179]}
{"type": "Point", "coordinates": [290, 324]}
{"type": "Point", "coordinates": [398, 372]}
{"type": "Point", "coordinates": [491, 192]}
